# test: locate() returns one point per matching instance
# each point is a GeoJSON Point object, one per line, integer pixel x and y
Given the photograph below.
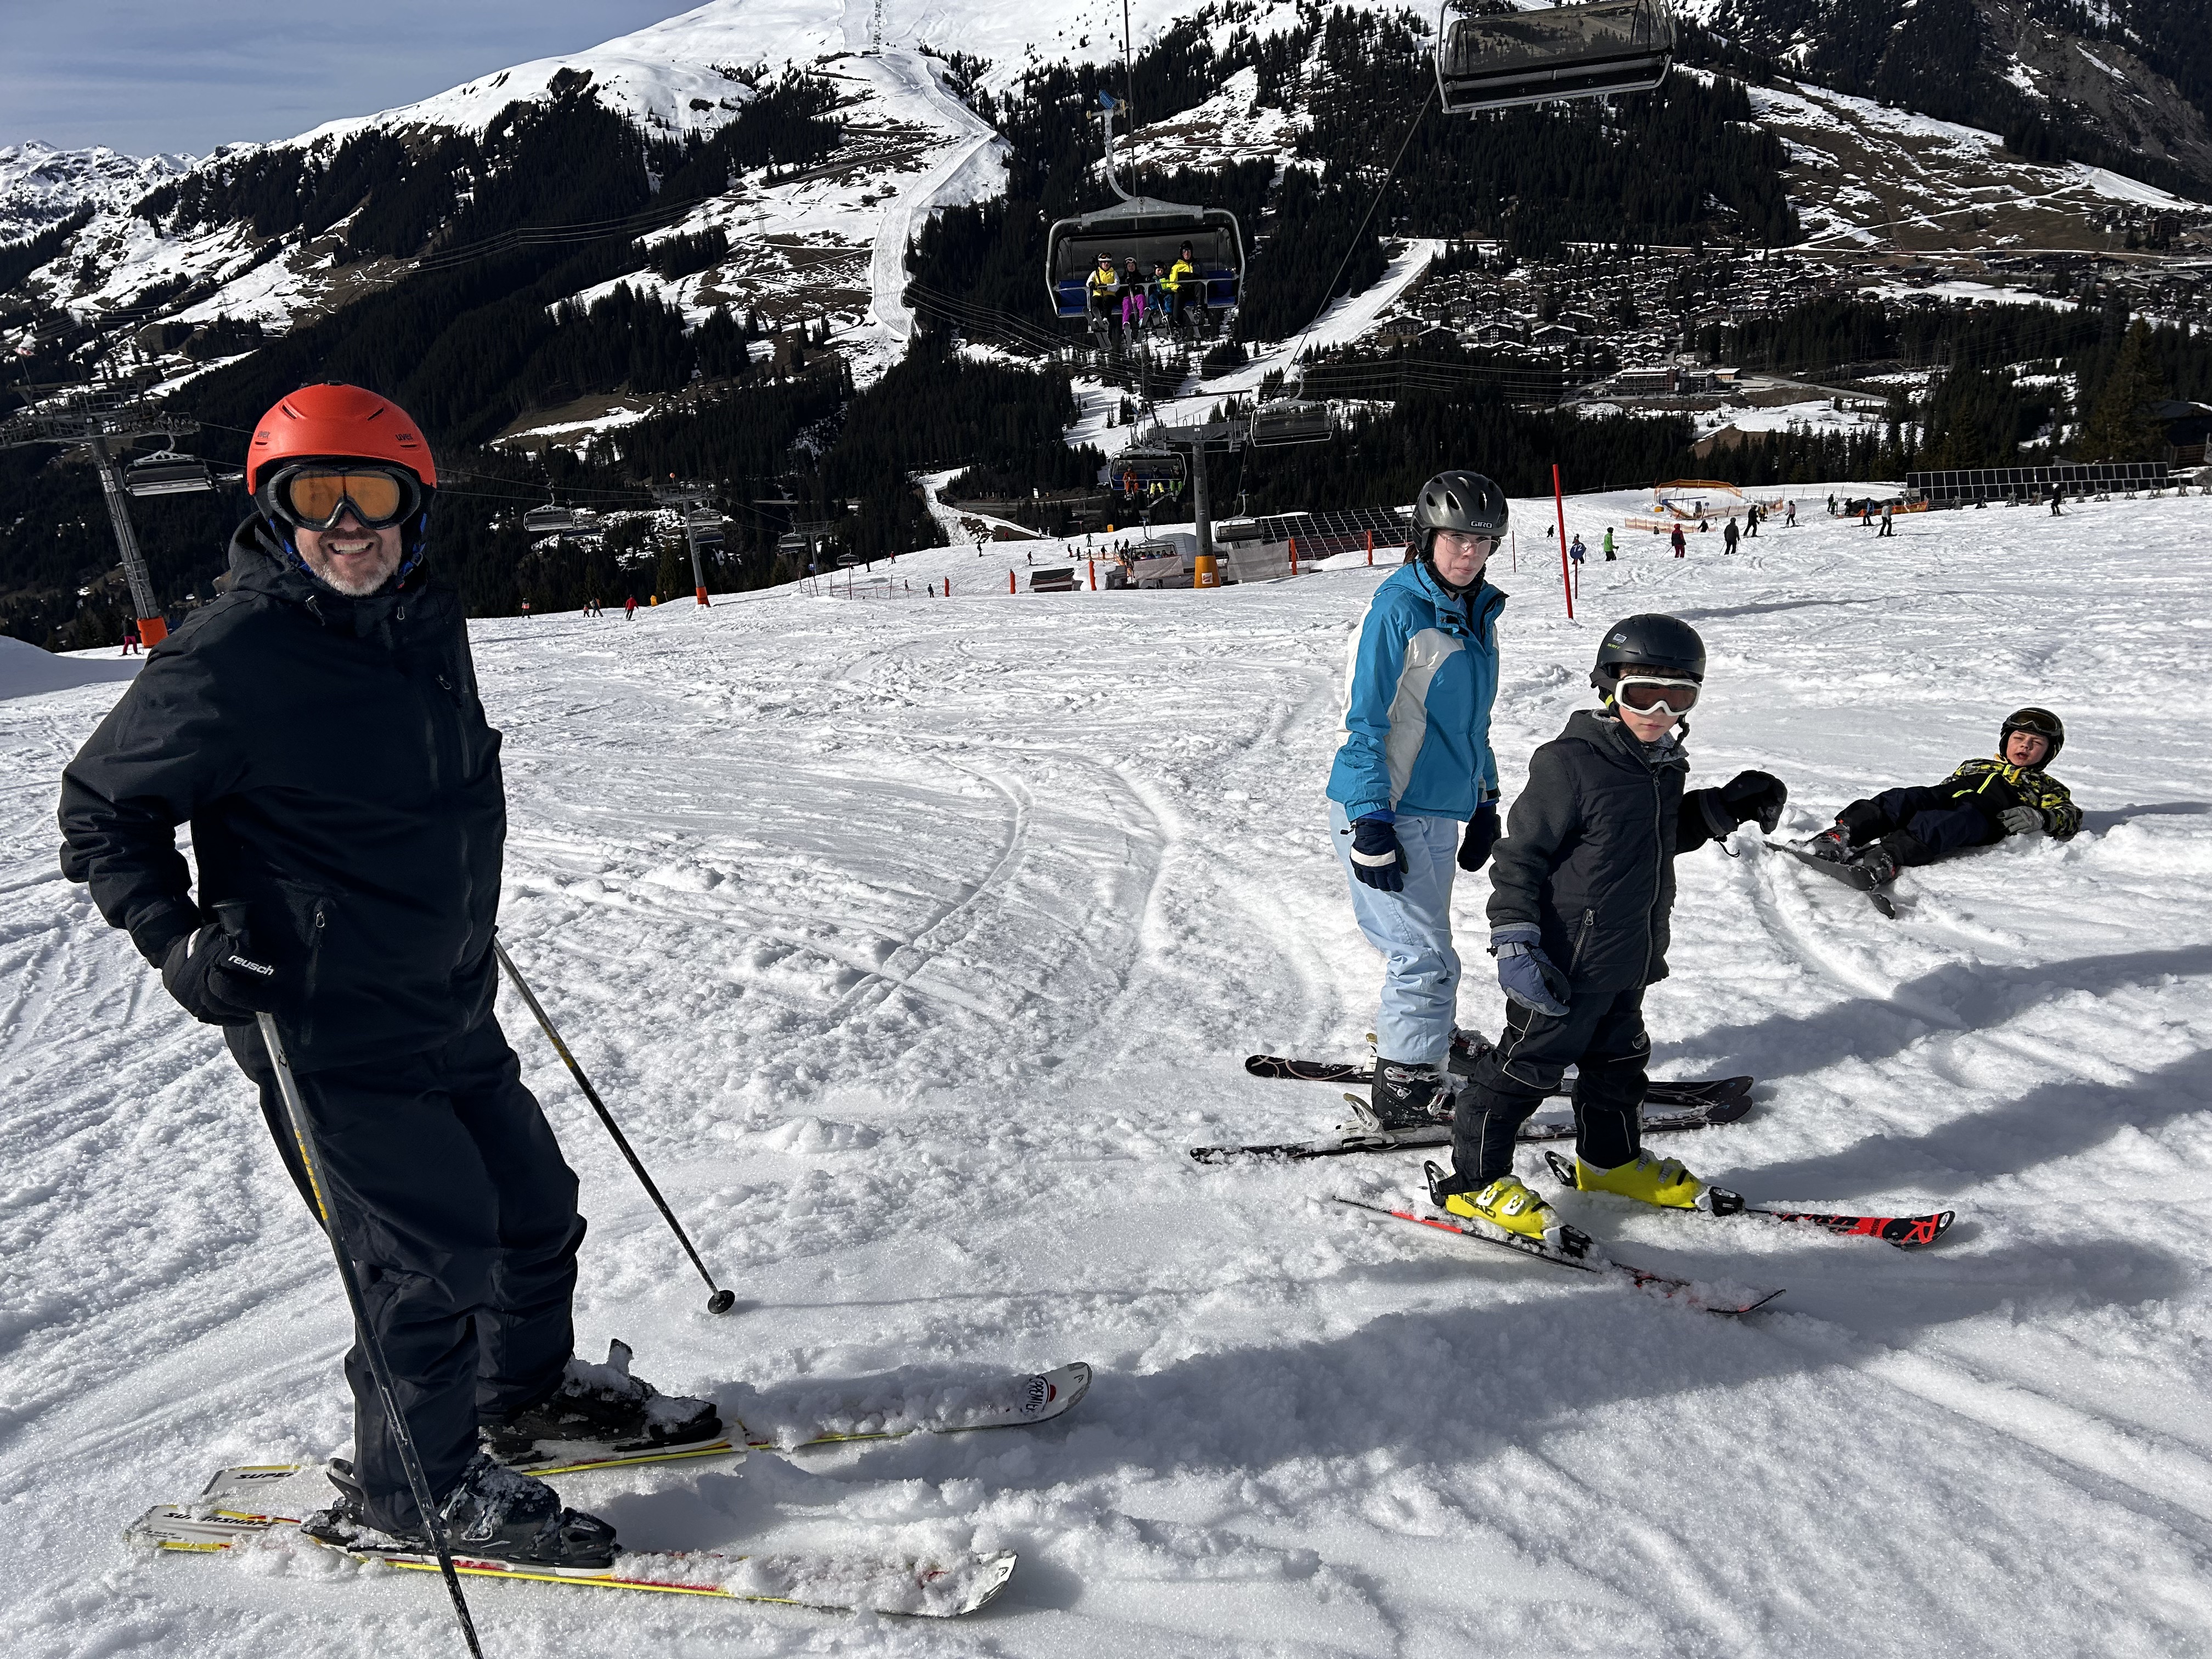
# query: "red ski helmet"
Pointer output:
{"type": "Point", "coordinates": [334, 421]}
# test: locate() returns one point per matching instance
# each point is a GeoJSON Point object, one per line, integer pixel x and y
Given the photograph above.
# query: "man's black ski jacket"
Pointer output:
{"type": "Point", "coordinates": [1589, 847]}
{"type": "Point", "coordinates": [339, 776]}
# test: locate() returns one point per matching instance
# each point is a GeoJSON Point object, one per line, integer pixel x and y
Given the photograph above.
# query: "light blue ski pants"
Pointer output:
{"type": "Point", "coordinates": [1412, 930]}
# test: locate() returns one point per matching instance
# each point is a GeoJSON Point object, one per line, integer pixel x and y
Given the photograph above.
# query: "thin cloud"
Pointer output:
{"type": "Point", "coordinates": [140, 76]}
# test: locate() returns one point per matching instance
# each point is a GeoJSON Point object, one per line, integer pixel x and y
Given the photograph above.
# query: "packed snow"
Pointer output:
{"type": "Point", "coordinates": [914, 941]}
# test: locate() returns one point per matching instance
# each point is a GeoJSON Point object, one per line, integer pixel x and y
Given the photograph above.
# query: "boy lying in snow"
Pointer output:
{"type": "Point", "coordinates": [1984, 801]}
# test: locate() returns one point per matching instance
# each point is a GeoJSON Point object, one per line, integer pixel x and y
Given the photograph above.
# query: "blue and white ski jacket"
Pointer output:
{"type": "Point", "coordinates": [1422, 675]}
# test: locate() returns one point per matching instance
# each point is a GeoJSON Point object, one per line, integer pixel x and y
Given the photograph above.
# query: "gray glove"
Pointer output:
{"type": "Point", "coordinates": [1526, 974]}
{"type": "Point", "coordinates": [2022, 821]}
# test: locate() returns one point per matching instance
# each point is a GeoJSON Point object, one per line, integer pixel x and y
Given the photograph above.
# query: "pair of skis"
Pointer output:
{"type": "Point", "coordinates": [1682, 1106]}
{"type": "Point", "coordinates": [245, 1505]}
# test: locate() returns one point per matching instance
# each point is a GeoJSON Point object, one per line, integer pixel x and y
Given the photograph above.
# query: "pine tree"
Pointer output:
{"type": "Point", "coordinates": [2121, 428]}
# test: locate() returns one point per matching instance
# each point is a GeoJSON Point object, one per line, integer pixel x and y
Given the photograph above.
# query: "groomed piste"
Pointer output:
{"type": "Point", "coordinates": [915, 940]}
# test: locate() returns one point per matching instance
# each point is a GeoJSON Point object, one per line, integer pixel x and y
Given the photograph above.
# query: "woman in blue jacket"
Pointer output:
{"type": "Point", "coordinates": [1414, 767]}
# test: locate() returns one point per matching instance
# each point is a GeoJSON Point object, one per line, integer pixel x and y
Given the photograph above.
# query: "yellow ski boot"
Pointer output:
{"type": "Point", "coordinates": [1509, 1205]}
{"type": "Point", "coordinates": [1659, 1180]}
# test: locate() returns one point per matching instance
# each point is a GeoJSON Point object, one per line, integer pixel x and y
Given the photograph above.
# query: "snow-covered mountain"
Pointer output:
{"type": "Point", "coordinates": [41, 185]}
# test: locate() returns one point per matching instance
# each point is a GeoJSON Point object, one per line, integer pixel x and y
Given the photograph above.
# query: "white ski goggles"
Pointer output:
{"type": "Point", "coordinates": [1647, 693]}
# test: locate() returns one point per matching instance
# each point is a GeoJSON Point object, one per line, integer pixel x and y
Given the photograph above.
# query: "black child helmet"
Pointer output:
{"type": "Point", "coordinates": [2042, 722]}
{"type": "Point", "coordinates": [1666, 643]}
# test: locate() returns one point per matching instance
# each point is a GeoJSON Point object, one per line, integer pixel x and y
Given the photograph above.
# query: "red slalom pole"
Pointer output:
{"type": "Point", "coordinates": [1566, 579]}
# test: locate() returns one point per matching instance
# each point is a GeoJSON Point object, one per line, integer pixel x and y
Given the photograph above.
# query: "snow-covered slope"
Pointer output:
{"type": "Point", "coordinates": [41, 185]}
{"type": "Point", "coordinates": [913, 939]}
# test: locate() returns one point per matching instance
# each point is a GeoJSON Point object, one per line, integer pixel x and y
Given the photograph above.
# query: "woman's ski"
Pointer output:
{"type": "Point", "coordinates": [1375, 1140]}
{"type": "Point", "coordinates": [1658, 1092]}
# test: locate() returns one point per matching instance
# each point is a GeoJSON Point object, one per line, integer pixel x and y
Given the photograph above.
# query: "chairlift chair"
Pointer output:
{"type": "Point", "coordinates": [168, 473]}
{"type": "Point", "coordinates": [1151, 230]}
{"type": "Point", "coordinates": [1144, 471]}
{"type": "Point", "coordinates": [1291, 421]}
{"type": "Point", "coordinates": [549, 520]}
{"type": "Point", "coordinates": [1508, 58]}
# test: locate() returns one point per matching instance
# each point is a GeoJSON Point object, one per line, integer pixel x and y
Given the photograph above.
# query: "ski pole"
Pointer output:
{"type": "Point", "coordinates": [231, 915]}
{"type": "Point", "coordinates": [721, 1301]}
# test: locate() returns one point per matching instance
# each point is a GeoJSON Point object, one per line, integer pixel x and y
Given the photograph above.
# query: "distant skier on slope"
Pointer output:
{"type": "Point", "coordinates": [319, 727]}
{"type": "Point", "coordinates": [1583, 884]}
{"type": "Point", "coordinates": [1415, 767]}
{"type": "Point", "coordinates": [1981, 803]}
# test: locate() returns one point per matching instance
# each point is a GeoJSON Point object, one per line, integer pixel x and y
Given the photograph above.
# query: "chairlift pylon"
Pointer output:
{"type": "Point", "coordinates": [1507, 58]}
{"type": "Point", "coordinates": [1151, 231]}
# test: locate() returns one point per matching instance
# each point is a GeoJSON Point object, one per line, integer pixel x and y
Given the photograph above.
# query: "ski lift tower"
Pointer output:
{"type": "Point", "coordinates": [99, 417]}
{"type": "Point", "coordinates": [1197, 441]}
{"type": "Point", "coordinates": [683, 497]}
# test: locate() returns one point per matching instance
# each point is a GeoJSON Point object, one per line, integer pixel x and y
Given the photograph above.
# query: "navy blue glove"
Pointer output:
{"type": "Point", "coordinates": [1376, 858]}
{"type": "Point", "coordinates": [1481, 835]}
{"type": "Point", "coordinates": [1759, 796]}
{"type": "Point", "coordinates": [217, 979]}
{"type": "Point", "coordinates": [1525, 973]}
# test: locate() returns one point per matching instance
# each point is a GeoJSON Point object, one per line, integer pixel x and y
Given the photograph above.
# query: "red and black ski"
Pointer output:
{"type": "Point", "coordinates": [1905, 1231]}
{"type": "Point", "coordinates": [1664, 1285]}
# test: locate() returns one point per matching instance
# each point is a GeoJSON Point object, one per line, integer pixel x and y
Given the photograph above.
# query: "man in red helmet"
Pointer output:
{"type": "Point", "coordinates": [319, 727]}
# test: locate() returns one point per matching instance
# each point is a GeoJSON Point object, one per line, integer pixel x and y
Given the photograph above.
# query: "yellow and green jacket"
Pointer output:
{"type": "Point", "coordinates": [1994, 785]}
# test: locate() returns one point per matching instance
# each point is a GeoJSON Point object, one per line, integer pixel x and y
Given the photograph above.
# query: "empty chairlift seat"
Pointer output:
{"type": "Point", "coordinates": [1291, 421]}
{"type": "Point", "coordinates": [168, 473]}
{"type": "Point", "coordinates": [1502, 59]}
{"type": "Point", "coordinates": [549, 520]}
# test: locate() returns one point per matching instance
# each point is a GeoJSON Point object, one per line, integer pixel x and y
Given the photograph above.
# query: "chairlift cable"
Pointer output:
{"type": "Point", "coordinates": [1329, 293]}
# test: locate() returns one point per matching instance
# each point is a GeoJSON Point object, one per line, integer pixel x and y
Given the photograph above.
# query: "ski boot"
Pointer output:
{"type": "Point", "coordinates": [1832, 844]}
{"type": "Point", "coordinates": [1660, 1180]}
{"type": "Point", "coordinates": [1507, 1206]}
{"type": "Point", "coordinates": [599, 1411]}
{"type": "Point", "coordinates": [493, 1514]}
{"type": "Point", "coordinates": [1407, 1097]}
{"type": "Point", "coordinates": [1879, 864]}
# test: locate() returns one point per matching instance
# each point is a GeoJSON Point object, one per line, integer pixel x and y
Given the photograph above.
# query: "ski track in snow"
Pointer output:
{"type": "Point", "coordinates": [914, 941]}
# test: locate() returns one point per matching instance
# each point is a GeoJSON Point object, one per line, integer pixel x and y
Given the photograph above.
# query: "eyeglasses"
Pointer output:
{"type": "Point", "coordinates": [1647, 693]}
{"type": "Point", "coordinates": [1466, 541]}
{"type": "Point", "coordinates": [315, 497]}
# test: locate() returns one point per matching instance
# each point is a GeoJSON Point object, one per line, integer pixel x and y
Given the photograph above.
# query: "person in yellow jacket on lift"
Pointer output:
{"type": "Point", "coordinates": [1186, 289]}
{"type": "Point", "coordinates": [1105, 288]}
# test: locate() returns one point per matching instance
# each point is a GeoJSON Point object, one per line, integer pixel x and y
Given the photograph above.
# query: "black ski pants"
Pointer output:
{"type": "Point", "coordinates": [1917, 825]}
{"type": "Point", "coordinates": [1603, 1037]}
{"type": "Point", "coordinates": [460, 1216]}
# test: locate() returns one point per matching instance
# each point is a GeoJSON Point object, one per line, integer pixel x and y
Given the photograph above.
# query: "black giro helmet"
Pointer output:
{"type": "Point", "coordinates": [2041, 721]}
{"type": "Point", "coordinates": [1667, 643]}
{"type": "Point", "coordinates": [1458, 500]}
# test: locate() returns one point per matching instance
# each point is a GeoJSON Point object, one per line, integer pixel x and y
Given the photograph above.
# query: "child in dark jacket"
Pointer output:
{"type": "Point", "coordinates": [1984, 801]}
{"type": "Point", "coordinates": [1584, 883]}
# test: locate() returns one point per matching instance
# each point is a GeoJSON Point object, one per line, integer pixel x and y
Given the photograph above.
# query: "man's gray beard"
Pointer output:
{"type": "Point", "coordinates": [319, 564]}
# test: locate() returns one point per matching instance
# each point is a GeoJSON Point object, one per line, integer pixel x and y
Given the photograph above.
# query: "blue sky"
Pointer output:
{"type": "Point", "coordinates": [188, 75]}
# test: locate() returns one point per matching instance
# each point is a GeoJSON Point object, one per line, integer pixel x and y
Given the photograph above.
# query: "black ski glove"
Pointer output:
{"type": "Point", "coordinates": [1481, 835]}
{"type": "Point", "coordinates": [216, 979]}
{"type": "Point", "coordinates": [1749, 795]}
{"type": "Point", "coordinates": [1376, 858]}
